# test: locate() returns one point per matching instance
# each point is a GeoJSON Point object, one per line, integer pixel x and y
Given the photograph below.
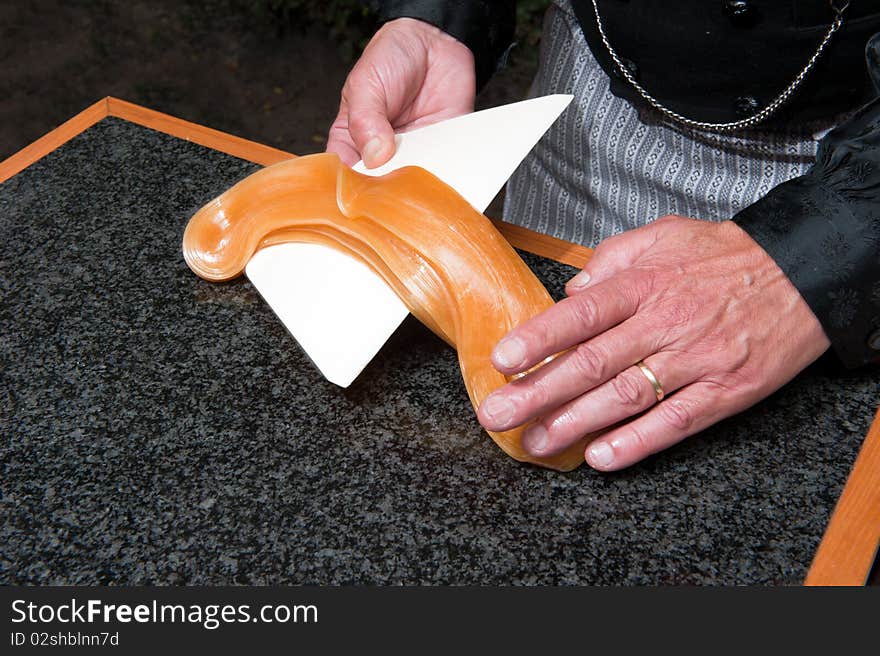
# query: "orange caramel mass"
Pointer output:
{"type": "Point", "coordinates": [447, 262]}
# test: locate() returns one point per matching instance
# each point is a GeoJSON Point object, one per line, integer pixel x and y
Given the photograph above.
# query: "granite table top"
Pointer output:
{"type": "Point", "coordinates": [157, 428]}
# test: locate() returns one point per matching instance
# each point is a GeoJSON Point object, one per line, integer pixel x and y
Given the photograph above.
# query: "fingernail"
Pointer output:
{"type": "Point", "coordinates": [535, 439]}
{"type": "Point", "coordinates": [510, 352]}
{"type": "Point", "coordinates": [499, 409]}
{"type": "Point", "coordinates": [372, 151]}
{"type": "Point", "coordinates": [600, 455]}
{"type": "Point", "coordinates": [580, 281]}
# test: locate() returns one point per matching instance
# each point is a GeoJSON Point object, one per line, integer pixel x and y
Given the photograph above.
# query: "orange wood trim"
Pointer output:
{"type": "Point", "coordinates": [49, 142]}
{"type": "Point", "coordinates": [226, 143]}
{"type": "Point", "coordinates": [851, 539]}
{"type": "Point", "coordinates": [544, 245]}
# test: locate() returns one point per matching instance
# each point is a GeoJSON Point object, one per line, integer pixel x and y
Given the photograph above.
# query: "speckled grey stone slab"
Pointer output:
{"type": "Point", "coordinates": [157, 428]}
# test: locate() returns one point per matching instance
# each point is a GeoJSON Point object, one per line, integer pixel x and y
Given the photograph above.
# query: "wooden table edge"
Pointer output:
{"type": "Point", "coordinates": [52, 140]}
{"type": "Point", "coordinates": [850, 542]}
{"type": "Point", "coordinates": [851, 539]}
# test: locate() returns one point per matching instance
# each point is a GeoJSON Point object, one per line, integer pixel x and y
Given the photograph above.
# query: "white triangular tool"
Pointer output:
{"type": "Point", "coordinates": [339, 311]}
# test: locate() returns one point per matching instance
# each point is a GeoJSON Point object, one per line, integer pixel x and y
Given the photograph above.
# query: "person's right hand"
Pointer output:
{"type": "Point", "coordinates": [410, 74]}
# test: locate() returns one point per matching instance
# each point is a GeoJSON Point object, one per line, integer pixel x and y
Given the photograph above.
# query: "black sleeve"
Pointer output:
{"type": "Point", "coordinates": [486, 27]}
{"type": "Point", "coordinates": [823, 230]}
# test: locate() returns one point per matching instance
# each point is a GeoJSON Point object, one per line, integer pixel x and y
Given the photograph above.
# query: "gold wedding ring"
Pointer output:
{"type": "Point", "coordinates": [658, 388]}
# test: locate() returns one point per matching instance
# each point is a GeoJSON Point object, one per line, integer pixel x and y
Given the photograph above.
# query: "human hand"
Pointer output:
{"type": "Point", "coordinates": [709, 312]}
{"type": "Point", "coordinates": [410, 74]}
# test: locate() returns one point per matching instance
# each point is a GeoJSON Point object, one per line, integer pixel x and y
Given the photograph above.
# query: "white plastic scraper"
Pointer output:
{"type": "Point", "coordinates": [341, 312]}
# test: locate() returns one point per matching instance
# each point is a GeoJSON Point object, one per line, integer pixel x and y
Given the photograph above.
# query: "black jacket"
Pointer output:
{"type": "Point", "coordinates": [822, 228]}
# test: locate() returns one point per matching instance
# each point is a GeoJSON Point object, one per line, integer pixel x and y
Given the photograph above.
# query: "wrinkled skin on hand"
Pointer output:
{"type": "Point", "coordinates": [709, 312]}
{"type": "Point", "coordinates": [411, 74]}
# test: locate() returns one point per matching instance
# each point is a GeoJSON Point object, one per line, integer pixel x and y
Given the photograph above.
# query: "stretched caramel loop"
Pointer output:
{"type": "Point", "coordinates": [446, 261]}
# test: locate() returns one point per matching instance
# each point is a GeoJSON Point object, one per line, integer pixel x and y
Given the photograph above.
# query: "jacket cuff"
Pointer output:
{"type": "Point", "coordinates": [823, 230]}
{"type": "Point", "coordinates": [487, 28]}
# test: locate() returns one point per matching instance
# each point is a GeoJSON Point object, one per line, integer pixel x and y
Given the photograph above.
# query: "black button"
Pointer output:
{"type": "Point", "coordinates": [741, 12]}
{"type": "Point", "coordinates": [874, 340]}
{"type": "Point", "coordinates": [746, 106]}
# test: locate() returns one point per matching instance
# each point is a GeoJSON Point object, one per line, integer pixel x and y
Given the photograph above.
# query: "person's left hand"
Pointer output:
{"type": "Point", "coordinates": [705, 308]}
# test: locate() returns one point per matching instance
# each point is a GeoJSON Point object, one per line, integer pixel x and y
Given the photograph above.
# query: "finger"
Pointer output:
{"type": "Point", "coordinates": [624, 396]}
{"type": "Point", "coordinates": [571, 321]}
{"type": "Point", "coordinates": [689, 411]}
{"type": "Point", "coordinates": [616, 254]}
{"type": "Point", "coordinates": [589, 364]}
{"type": "Point", "coordinates": [339, 141]}
{"type": "Point", "coordinates": [367, 121]}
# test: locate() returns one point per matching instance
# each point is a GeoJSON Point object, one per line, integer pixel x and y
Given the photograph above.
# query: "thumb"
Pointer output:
{"type": "Point", "coordinates": [613, 256]}
{"type": "Point", "coordinates": [368, 124]}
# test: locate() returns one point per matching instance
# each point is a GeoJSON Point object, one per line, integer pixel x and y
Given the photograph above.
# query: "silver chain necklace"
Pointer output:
{"type": "Point", "coordinates": [779, 101]}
